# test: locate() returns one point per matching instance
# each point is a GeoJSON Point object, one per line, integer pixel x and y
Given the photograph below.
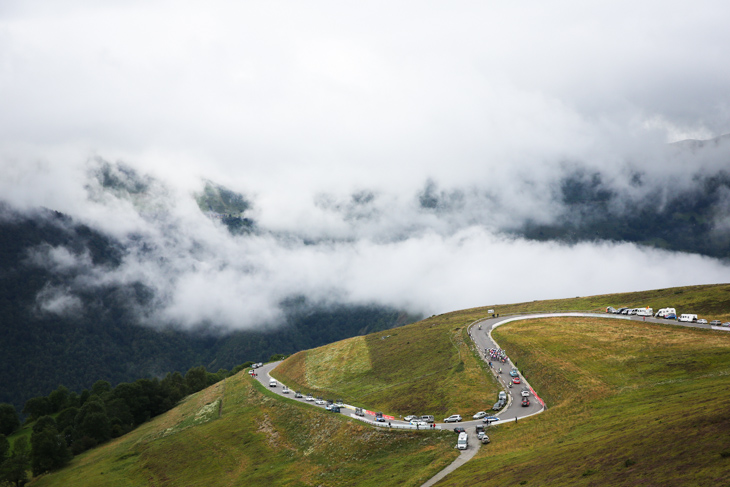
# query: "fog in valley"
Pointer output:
{"type": "Point", "coordinates": [388, 153]}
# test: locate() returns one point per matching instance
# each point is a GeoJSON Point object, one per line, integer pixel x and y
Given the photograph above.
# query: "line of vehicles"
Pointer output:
{"type": "Point", "coordinates": [329, 405]}
{"type": "Point", "coordinates": [665, 313]}
{"type": "Point", "coordinates": [424, 420]}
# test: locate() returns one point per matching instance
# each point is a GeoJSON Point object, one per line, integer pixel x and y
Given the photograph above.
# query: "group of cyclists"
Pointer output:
{"type": "Point", "coordinates": [496, 355]}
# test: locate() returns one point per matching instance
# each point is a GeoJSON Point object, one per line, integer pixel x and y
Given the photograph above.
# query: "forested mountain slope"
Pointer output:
{"type": "Point", "coordinates": [100, 337]}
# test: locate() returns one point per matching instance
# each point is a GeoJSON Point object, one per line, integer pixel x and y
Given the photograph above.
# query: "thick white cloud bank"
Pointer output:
{"type": "Point", "coordinates": [300, 106]}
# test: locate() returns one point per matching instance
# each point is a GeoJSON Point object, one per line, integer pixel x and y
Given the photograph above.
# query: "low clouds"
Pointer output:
{"type": "Point", "coordinates": [58, 301]}
{"type": "Point", "coordinates": [410, 252]}
{"type": "Point", "coordinates": [392, 152]}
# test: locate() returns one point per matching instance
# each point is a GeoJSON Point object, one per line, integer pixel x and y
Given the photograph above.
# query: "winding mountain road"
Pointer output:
{"type": "Point", "coordinates": [480, 332]}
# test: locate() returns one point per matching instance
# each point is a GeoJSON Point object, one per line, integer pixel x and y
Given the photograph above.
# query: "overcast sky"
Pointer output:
{"type": "Point", "coordinates": [300, 105]}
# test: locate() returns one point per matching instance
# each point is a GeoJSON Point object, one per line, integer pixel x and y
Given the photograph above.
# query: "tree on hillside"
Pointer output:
{"type": "Point", "coordinates": [196, 379]}
{"type": "Point", "coordinates": [92, 421]}
{"type": "Point", "coordinates": [100, 388]}
{"type": "Point", "coordinates": [48, 448]}
{"type": "Point", "coordinates": [4, 448]}
{"type": "Point", "coordinates": [83, 397]}
{"type": "Point", "coordinates": [174, 387]}
{"type": "Point", "coordinates": [66, 418]}
{"type": "Point", "coordinates": [120, 417]}
{"type": "Point", "coordinates": [14, 470]}
{"type": "Point", "coordinates": [9, 420]}
{"type": "Point", "coordinates": [66, 424]}
{"type": "Point", "coordinates": [37, 407]}
{"type": "Point", "coordinates": [59, 399]}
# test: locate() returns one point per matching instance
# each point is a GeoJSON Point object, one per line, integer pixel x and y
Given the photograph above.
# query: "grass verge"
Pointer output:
{"type": "Point", "coordinates": [630, 403]}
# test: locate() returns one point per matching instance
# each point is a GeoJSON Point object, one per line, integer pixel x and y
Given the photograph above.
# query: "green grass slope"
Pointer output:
{"type": "Point", "coordinates": [257, 440]}
{"type": "Point", "coordinates": [630, 403]}
{"type": "Point", "coordinates": [710, 301]}
{"type": "Point", "coordinates": [429, 367]}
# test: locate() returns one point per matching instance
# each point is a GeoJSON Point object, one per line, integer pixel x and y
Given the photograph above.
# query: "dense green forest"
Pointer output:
{"type": "Point", "coordinates": [673, 218]}
{"type": "Point", "coordinates": [41, 351]}
{"type": "Point", "coordinates": [66, 423]}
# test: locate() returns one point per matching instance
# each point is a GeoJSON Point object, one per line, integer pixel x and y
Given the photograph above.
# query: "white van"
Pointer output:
{"type": "Point", "coordinates": [688, 318]}
{"type": "Point", "coordinates": [666, 313]}
{"type": "Point", "coordinates": [272, 383]}
{"type": "Point", "coordinates": [463, 442]}
{"type": "Point", "coordinates": [644, 312]}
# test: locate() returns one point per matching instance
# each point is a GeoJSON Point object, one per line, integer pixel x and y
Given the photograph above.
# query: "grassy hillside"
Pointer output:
{"type": "Point", "coordinates": [710, 301]}
{"type": "Point", "coordinates": [630, 403]}
{"type": "Point", "coordinates": [416, 368]}
{"type": "Point", "coordinates": [257, 441]}
{"type": "Point", "coordinates": [423, 368]}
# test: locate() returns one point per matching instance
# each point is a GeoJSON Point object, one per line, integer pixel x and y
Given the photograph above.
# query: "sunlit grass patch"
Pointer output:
{"type": "Point", "coordinates": [328, 365]}
{"type": "Point", "coordinates": [427, 368]}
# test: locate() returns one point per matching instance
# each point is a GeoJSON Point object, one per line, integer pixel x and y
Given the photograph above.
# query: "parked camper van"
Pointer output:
{"type": "Point", "coordinates": [667, 313]}
{"type": "Point", "coordinates": [688, 318]}
{"type": "Point", "coordinates": [463, 441]}
{"type": "Point", "coordinates": [644, 312]}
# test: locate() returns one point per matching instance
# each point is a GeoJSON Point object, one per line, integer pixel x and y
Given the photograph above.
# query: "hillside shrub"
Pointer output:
{"type": "Point", "coordinates": [9, 420]}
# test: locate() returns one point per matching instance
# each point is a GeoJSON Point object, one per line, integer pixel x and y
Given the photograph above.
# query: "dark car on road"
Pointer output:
{"type": "Point", "coordinates": [525, 402]}
{"type": "Point", "coordinates": [459, 429]}
{"type": "Point", "coordinates": [498, 405]}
